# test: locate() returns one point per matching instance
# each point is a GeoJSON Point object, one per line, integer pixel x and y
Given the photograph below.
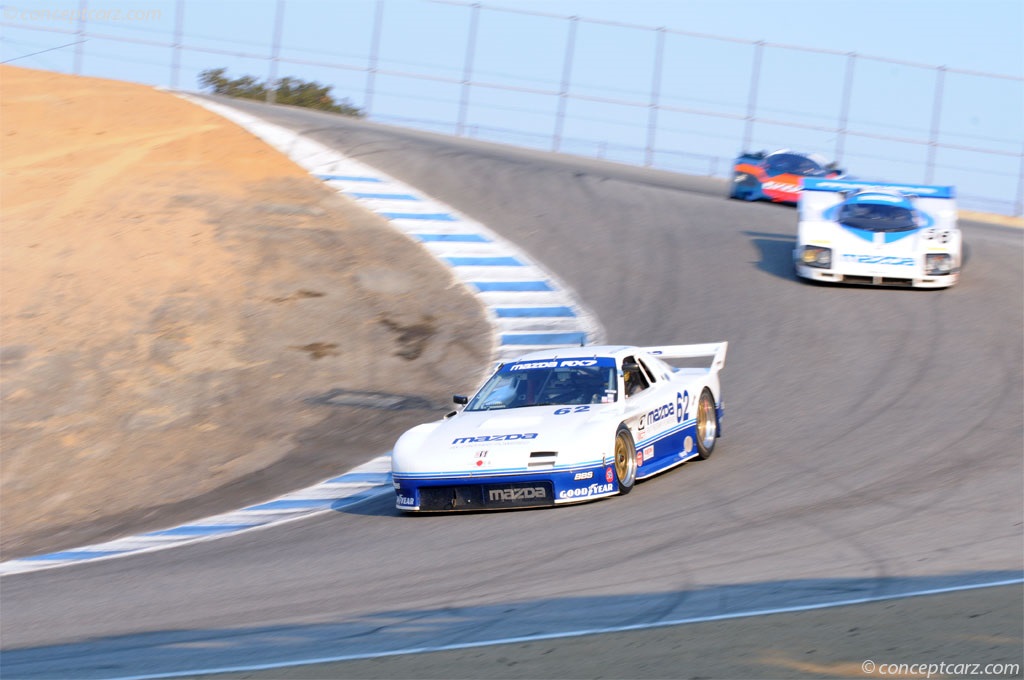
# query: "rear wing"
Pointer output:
{"type": "Point", "coordinates": [848, 185]}
{"type": "Point", "coordinates": [819, 195]}
{"type": "Point", "coordinates": [717, 350]}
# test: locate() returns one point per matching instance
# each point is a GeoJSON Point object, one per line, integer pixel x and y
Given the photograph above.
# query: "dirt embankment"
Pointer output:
{"type": "Point", "coordinates": [187, 319]}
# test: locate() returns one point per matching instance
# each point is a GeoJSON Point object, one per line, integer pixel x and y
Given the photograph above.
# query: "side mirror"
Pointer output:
{"type": "Point", "coordinates": [460, 399]}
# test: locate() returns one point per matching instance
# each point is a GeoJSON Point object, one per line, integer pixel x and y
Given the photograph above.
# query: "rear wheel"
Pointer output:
{"type": "Point", "coordinates": [707, 425]}
{"type": "Point", "coordinates": [625, 460]}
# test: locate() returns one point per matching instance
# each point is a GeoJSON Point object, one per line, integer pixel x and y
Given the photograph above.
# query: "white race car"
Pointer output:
{"type": "Point", "coordinates": [878, 234]}
{"type": "Point", "coordinates": [562, 426]}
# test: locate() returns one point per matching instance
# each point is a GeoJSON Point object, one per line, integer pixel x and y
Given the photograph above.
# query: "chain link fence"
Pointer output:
{"type": "Point", "coordinates": [642, 95]}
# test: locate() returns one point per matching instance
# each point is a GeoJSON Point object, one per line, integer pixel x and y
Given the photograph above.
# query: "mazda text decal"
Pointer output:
{"type": "Point", "coordinates": [879, 259]}
{"type": "Point", "coordinates": [494, 438]}
{"type": "Point", "coordinates": [678, 410]}
{"type": "Point", "coordinates": [560, 363]}
{"type": "Point", "coordinates": [662, 412]}
{"type": "Point", "coordinates": [525, 493]}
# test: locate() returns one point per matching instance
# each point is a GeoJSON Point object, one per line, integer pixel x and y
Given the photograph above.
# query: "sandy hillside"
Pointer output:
{"type": "Point", "coordinates": [177, 303]}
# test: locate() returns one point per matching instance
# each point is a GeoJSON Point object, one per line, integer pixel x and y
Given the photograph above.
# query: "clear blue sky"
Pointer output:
{"type": "Point", "coordinates": [517, 49]}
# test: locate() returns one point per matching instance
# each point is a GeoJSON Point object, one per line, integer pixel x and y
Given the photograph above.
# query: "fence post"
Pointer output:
{"type": "Point", "coordinates": [563, 94]}
{"type": "Point", "coordinates": [371, 69]}
{"type": "Point", "coordinates": [844, 107]}
{"type": "Point", "coordinates": [179, 22]}
{"type": "Point", "coordinates": [755, 77]}
{"type": "Point", "coordinates": [80, 32]}
{"type": "Point", "coordinates": [652, 116]}
{"type": "Point", "coordinates": [275, 51]}
{"type": "Point", "coordinates": [467, 68]}
{"type": "Point", "coordinates": [933, 135]}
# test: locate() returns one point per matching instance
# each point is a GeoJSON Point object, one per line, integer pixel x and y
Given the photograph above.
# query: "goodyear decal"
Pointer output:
{"type": "Point", "coordinates": [586, 491]}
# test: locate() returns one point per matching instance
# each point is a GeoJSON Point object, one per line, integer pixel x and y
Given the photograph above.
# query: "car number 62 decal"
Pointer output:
{"type": "Point", "coordinates": [682, 406]}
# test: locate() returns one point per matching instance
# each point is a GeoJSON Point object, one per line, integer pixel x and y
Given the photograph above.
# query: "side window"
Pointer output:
{"type": "Point", "coordinates": [647, 372]}
{"type": "Point", "coordinates": [633, 377]}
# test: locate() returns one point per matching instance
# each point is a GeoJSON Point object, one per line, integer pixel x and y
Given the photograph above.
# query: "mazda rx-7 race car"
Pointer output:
{"type": "Point", "coordinates": [776, 176]}
{"type": "Point", "coordinates": [562, 426]}
{"type": "Point", "coordinates": [878, 234]}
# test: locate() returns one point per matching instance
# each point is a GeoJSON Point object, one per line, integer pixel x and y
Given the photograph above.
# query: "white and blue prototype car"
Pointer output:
{"type": "Point", "coordinates": [563, 426]}
{"type": "Point", "coordinates": [878, 234]}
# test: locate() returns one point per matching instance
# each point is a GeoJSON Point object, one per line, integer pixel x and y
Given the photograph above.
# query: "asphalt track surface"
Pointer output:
{"type": "Point", "coordinates": [872, 447]}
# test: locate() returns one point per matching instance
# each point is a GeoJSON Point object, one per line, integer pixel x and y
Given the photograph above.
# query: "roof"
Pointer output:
{"type": "Point", "coordinates": [572, 352]}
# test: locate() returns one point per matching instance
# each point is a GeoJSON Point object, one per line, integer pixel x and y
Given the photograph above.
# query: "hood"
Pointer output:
{"type": "Point", "coordinates": [897, 254]}
{"type": "Point", "coordinates": [491, 442]}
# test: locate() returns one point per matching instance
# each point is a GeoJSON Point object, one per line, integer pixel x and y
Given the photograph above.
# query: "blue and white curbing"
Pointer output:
{"type": "Point", "coordinates": [529, 309]}
{"type": "Point", "coordinates": [364, 482]}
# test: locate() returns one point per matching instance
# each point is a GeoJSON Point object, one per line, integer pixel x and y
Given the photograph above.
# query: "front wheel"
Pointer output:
{"type": "Point", "coordinates": [625, 460]}
{"type": "Point", "coordinates": [707, 425]}
{"type": "Point", "coordinates": [744, 186]}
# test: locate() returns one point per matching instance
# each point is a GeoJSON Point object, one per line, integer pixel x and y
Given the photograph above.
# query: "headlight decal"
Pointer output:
{"type": "Point", "coordinates": [938, 264]}
{"type": "Point", "coordinates": [816, 256]}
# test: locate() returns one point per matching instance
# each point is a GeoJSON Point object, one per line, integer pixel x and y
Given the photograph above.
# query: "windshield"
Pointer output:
{"type": "Point", "coordinates": [793, 164]}
{"type": "Point", "coordinates": [549, 382]}
{"type": "Point", "coordinates": [875, 217]}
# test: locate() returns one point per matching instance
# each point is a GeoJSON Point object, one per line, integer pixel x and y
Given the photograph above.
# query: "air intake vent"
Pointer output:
{"type": "Point", "coordinates": [542, 459]}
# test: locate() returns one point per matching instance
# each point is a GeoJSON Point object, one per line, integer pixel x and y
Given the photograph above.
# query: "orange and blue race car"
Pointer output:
{"type": "Point", "coordinates": [776, 176]}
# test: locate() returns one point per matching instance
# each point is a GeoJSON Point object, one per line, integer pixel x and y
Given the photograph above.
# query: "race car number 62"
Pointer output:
{"type": "Point", "coordinates": [682, 406]}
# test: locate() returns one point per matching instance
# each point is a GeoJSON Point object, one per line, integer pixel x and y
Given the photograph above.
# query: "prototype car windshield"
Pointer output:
{"type": "Point", "coordinates": [875, 217]}
{"type": "Point", "coordinates": [793, 164]}
{"type": "Point", "coordinates": [549, 382]}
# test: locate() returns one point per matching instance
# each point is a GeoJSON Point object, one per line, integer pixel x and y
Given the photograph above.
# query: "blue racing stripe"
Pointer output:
{"type": "Point", "coordinates": [436, 217]}
{"type": "Point", "coordinates": [349, 178]}
{"type": "Point", "coordinates": [483, 262]}
{"type": "Point", "coordinates": [511, 286]}
{"type": "Point", "coordinates": [518, 312]}
{"type": "Point", "coordinates": [543, 338]}
{"type": "Point", "coordinates": [453, 238]}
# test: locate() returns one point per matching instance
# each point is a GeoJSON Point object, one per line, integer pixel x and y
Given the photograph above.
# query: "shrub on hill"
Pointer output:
{"type": "Point", "coordinates": [309, 94]}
